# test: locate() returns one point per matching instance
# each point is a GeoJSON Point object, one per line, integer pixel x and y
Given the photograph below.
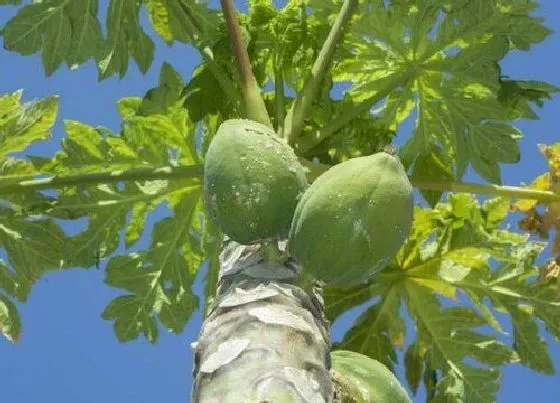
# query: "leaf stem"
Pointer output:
{"type": "Point", "coordinates": [221, 77]}
{"type": "Point", "coordinates": [306, 143]}
{"type": "Point", "coordinates": [206, 53]}
{"type": "Point", "coordinates": [304, 99]}
{"type": "Point", "coordinates": [27, 183]}
{"type": "Point", "coordinates": [279, 97]}
{"type": "Point", "coordinates": [255, 108]}
{"type": "Point", "coordinates": [513, 192]}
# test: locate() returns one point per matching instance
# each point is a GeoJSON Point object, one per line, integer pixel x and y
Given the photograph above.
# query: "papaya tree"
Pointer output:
{"type": "Point", "coordinates": [277, 163]}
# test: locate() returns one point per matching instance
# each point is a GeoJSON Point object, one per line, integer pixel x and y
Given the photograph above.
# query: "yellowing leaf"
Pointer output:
{"type": "Point", "coordinates": [439, 286]}
{"type": "Point", "coordinates": [542, 182]}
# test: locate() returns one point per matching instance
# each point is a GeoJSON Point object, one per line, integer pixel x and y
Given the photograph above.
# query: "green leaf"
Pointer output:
{"type": "Point", "coordinates": [379, 329]}
{"type": "Point", "coordinates": [156, 134]}
{"type": "Point", "coordinates": [453, 73]}
{"type": "Point", "coordinates": [14, 283]}
{"type": "Point", "coordinates": [168, 94]}
{"type": "Point", "coordinates": [63, 31]}
{"type": "Point", "coordinates": [21, 125]}
{"type": "Point", "coordinates": [457, 247]}
{"type": "Point", "coordinates": [187, 21]}
{"type": "Point", "coordinates": [414, 363]}
{"type": "Point", "coordinates": [56, 43]}
{"type": "Point", "coordinates": [518, 95]}
{"type": "Point", "coordinates": [150, 140]}
{"type": "Point", "coordinates": [32, 243]}
{"type": "Point", "coordinates": [204, 94]}
{"type": "Point", "coordinates": [10, 322]}
{"type": "Point", "coordinates": [129, 106]}
{"type": "Point", "coordinates": [443, 331]}
{"type": "Point", "coordinates": [160, 278]}
{"type": "Point", "coordinates": [433, 166]}
{"type": "Point", "coordinates": [33, 247]}
{"type": "Point", "coordinates": [86, 38]}
{"type": "Point", "coordinates": [124, 36]}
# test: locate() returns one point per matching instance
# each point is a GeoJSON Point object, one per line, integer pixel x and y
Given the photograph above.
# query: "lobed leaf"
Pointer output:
{"type": "Point", "coordinates": [63, 30]}
{"type": "Point", "coordinates": [457, 269]}
{"type": "Point", "coordinates": [443, 61]}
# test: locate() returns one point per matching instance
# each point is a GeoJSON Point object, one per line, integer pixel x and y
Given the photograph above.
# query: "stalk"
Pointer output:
{"type": "Point", "coordinates": [196, 32]}
{"type": "Point", "coordinates": [28, 183]}
{"type": "Point", "coordinates": [513, 192]}
{"type": "Point", "coordinates": [279, 98]}
{"type": "Point", "coordinates": [255, 108]}
{"type": "Point", "coordinates": [303, 102]}
{"type": "Point", "coordinates": [265, 339]}
{"type": "Point", "coordinates": [306, 143]}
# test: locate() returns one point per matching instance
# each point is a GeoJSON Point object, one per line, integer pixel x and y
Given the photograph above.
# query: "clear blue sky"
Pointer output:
{"type": "Point", "coordinates": [68, 354]}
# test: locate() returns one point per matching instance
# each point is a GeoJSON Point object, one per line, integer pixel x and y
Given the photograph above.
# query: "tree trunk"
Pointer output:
{"type": "Point", "coordinates": [265, 339]}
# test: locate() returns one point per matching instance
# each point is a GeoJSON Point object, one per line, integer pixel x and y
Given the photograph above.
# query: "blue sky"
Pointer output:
{"type": "Point", "coordinates": [69, 354]}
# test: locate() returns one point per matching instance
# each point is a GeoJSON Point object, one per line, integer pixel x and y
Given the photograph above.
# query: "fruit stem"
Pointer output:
{"type": "Point", "coordinates": [271, 253]}
{"type": "Point", "coordinates": [299, 110]}
{"type": "Point", "coordinates": [255, 109]}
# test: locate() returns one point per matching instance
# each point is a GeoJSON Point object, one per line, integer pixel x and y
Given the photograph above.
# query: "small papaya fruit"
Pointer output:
{"type": "Point", "coordinates": [352, 220]}
{"type": "Point", "coordinates": [252, 181]}
{"type": "Point", "coordinates": [365, 380]}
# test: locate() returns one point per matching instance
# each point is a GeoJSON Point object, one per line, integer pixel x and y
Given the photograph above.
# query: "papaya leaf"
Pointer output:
{"type": "Point", "coordinates": [203, 93]}
{"type": "Point", "coordinates": [159, 277]}
{"type": "Point", "coordinates": [23, 124]}
{"type": "Point", "coordinates": [186, 21]}
{"type": "Point", "coordinates": [125, 37]}
{"type": "Point", "coordinates": [445, 60]}
{"type": "Point", "coordinates": [379, 329]}
{"type": "Point", "coordinates": [64, 31]}
{"type": "Point", "coordinates": [283, 42]}
{"type": "Point", "coordinates": [458, 268]}
{"type": "Point", "coordinates": [10, 322]}
{"type": "Point", "coordinates": [148, 140]}
{"type": "Point", "coordinates": [157, 136]}
{"type": "Point", "coordinates": [30, 242]}
{"type": "Point", "coordinates": [519, 95]}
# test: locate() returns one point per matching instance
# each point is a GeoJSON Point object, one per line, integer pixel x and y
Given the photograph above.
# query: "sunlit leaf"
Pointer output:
{"type": "Point", "coordinates": [448, 55]}
{"type": "Point", "coordinates": [64, 31]}
{"type": "Point", "coordinates": [125, 37]}
{"type": "Point", "coordinates": [10, 322]}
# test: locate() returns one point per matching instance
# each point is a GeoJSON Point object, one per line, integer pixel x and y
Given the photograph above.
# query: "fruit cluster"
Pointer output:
{"type": "Point", "coordinates": [342, 229]}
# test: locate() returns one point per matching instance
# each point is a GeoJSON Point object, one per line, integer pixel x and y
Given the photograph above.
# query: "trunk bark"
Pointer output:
{"type": "Point", "coordinates": [265, 339]}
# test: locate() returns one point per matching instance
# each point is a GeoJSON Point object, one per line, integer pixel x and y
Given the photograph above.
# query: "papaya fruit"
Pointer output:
{"type": "Point", "coordinates": [361, 379]}
{"type": "Point", "coordinates": [252, 181]}
{"type": "Point", "coordinates": [352, 220]}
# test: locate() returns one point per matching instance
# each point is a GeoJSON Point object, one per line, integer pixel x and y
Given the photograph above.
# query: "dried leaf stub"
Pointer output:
{"type": "Point", "coordinates": [550, 273]}
{"type": "Point", "coordinates": [543, 219]}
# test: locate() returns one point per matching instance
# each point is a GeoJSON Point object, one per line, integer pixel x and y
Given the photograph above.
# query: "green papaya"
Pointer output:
{"type": "Point", "coordinates": [352, 220]}
{"type": "Point", "coordinates": [361, 379]}
{"type": "Point", "coordinates": [252, 181]}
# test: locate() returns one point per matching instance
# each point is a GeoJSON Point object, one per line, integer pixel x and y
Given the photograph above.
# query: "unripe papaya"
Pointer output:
{"type": "Point", "coordinates": [252, 181]}
{"type": "Point", "coordinates": [365, 380]}
{"type": "Point", "coordinates": [352, 220]}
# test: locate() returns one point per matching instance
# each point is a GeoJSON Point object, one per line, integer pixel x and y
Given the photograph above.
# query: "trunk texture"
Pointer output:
{"type": "Point", "coordinates": [265, 339]}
